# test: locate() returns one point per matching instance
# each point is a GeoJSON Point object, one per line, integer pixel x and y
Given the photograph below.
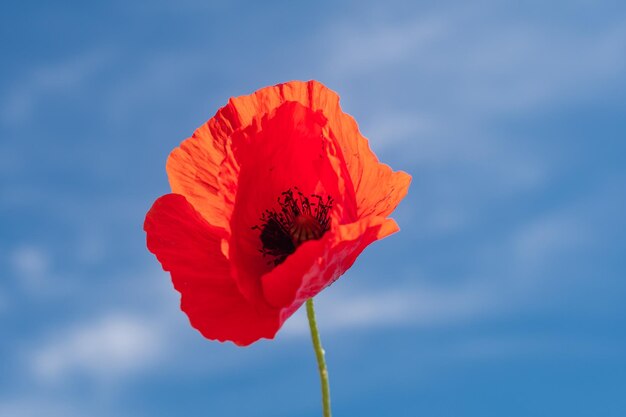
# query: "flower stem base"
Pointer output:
{"type": "Point", "coordinates": [321, 362]}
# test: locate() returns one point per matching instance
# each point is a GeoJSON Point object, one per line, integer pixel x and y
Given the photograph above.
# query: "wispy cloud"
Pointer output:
{"type": "Point", "coordinates": [409, 306]}
{"type": "Point", "coordinates": [368, 46]}
{"type": "Point", "coordinates": [545, 237]}
{"type": "Point", "coordinates": [63, 77]}
{"type": "Point", "coordinates": [28, 406]}
{"type": "Point", "coordinates": [108, 347]}
{"type": "Point", "coordinates": [455, 63]}
{"type": "Point", "coordinates": [30, 265]}
{"type": "Point", "coordinates": [393, 129]}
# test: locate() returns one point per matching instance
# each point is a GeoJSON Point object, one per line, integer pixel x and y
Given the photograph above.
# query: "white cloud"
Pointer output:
{"type": "Point", "coordinates": [30, 407]}
{"type": "Point", "coordinates": [389, 130]}
{"type": "Point", "coordinates": [30, 264]}
{"type": "Point", "coordinates": [543, 238]}
{"type": "Point", "coordinates": [59, 78]}
{"type": "Point", "coordinates": [157, 79]}
{"type": "Point", "coordinates": [528, 66]}
{"type": "Point", "coordinates": [90, 247]}
{"type": "Point", "coordinates": [29, 260]}
{"type": "Point", "coordinates": [360, 47]}
{"type": "Point", "coordinates": [474, 65]}
{"type": "Point", "coordinates": [112, 346]}
{"type": "Point", "coordinates": [413, 306]}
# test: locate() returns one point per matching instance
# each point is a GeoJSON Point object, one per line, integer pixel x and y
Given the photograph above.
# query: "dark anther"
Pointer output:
{"type": "Point", "coordinates": [299, 219]}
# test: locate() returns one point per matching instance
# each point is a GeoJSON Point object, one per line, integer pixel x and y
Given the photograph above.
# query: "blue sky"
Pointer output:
{"type": "Point", "coordinates": [503, 295]}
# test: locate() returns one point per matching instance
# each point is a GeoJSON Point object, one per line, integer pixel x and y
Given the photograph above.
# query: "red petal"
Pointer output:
{"type": "Point", "coordinates": [191, 249]}
{"type": "Point", "coordinates": [194, 169]}
{"type": "Point", "coordinates": [378, 189]}
{"type": "Point", "coordinates": [285, 150]}
{"type": "Point", "coordinates": [317, 264]}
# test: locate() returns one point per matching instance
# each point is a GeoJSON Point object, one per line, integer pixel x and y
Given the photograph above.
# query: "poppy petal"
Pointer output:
{"type": "Point", "coordinates": [286, 150]}
{"type": "Point", "coordinates": [193, 171]}
{"type": "Point", "coordinates": [318, 263]}
{"type": "Point", "coordinates": [191, 249]}
{"type": "Point", "coordinates": [378, 188]}
{"type": "Point", "coordinates": [194, 168]}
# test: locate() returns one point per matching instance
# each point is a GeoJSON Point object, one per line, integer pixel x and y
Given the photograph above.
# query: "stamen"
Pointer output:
{"type": "Point", "coordinates": [299, 219]}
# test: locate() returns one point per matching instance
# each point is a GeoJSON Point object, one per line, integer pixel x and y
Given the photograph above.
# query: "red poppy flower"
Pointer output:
{"type": "Point", "coordinates": [273, 199]}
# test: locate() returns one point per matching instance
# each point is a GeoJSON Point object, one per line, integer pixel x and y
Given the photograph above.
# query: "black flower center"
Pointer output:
{"type": "Point", "coordinates": [299, 219]}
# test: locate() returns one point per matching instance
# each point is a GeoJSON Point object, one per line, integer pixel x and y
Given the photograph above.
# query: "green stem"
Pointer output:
{"type": "Point", "coordinates": [319, 353]}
